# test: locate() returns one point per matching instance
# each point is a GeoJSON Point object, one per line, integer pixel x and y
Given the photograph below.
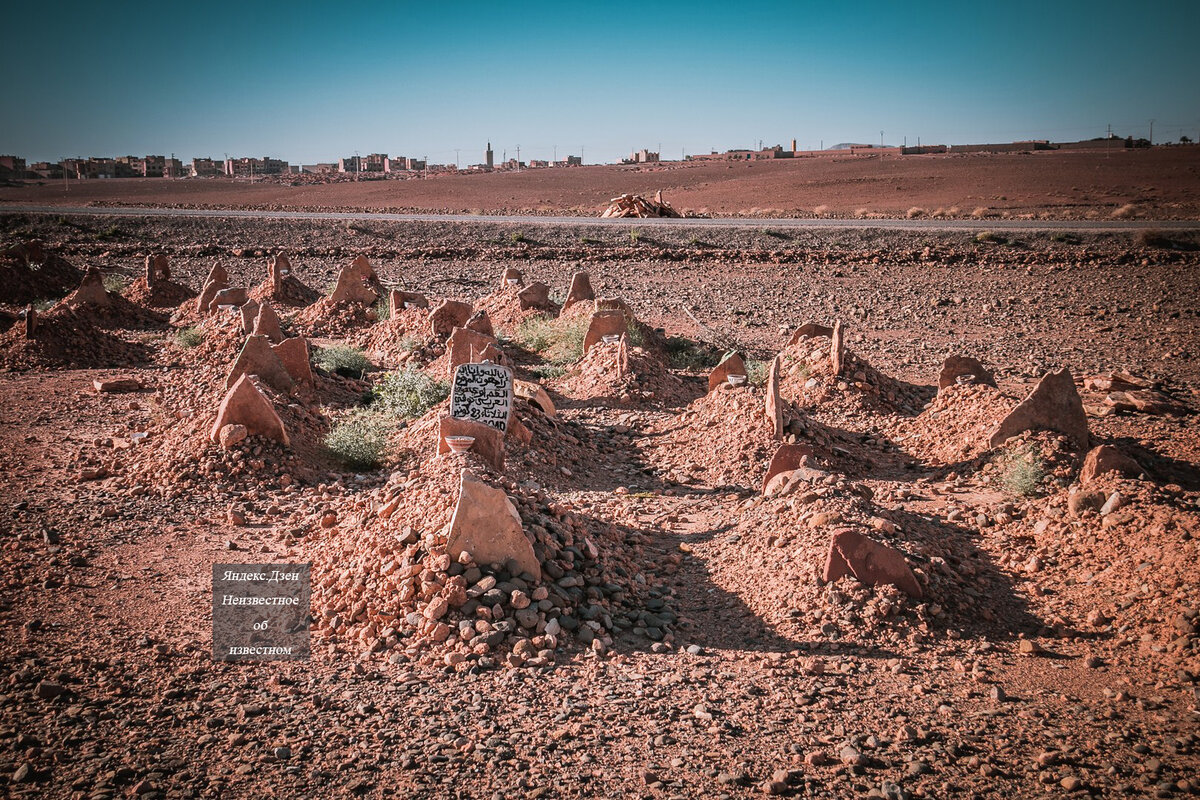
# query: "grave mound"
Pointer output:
{"type": "Point", "coordinates": [66, 337]}
{"type": "Point", "coordinates": [164, 294]}
{"type": "Point", "coordinates": [621, 375]}
{"type": "Point", "coordinates": [29, 274]}
{"type": "Point", "coordinates": [282, 287]}
{"type": "Point", "coordinates": [401, 339]}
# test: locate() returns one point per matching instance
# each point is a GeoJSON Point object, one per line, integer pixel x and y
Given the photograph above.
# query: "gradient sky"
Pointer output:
{"type": "Point", "coordinates": [310, 82]}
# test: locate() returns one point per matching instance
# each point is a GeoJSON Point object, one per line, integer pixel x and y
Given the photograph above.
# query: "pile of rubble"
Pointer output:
{"type": "Point", "coordinates": [28, 274]}
{"type": "Point", "coordinates": [634, 205]}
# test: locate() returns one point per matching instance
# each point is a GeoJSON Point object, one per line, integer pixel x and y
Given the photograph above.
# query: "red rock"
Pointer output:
{"type": "Point", "coordinates": [279, 267]}
{"type": "Point", "coordinates": [249, 311]}
{"type": "Point", "coordinates": [1053, 404]}
{"type": "Point", "coordinates": [257, 358]}
{"type": "Point", "coordinates": [518, 431]}
{"type": "Point", "coordinates": [787, 457]}
{"type": "Point", "coordinates": [486, 527]}
{"type": "Point", "coordinates": [837, 353]}
{"type": "Point", "coordinates": [604, 323]}
{"type": "Point", "coordinates": [489, 441]}
{"type": "Point", "coordinates": [614, 304]}
{"type": "Point", "coordinates": [1104, 459]}
{"type": "Point", "coordinates": [1145, 401]}
{"type": "Point", "coordinates": [1081, 501]}
{"type": "Point", "coordinates": [294, 356]}
{"type": "Point", "coordinates": [535, 394]}
{"type": "Point", "coordinates": [869, 561]}
{"type": "Point", "coordinates": [448, 315]}
{"type": "Point", "coordinates": [731, 364]}
{"type": "Point", "coordinates": [204, 303]}
{"type": "Point", "coordinates": [158, 267]}
{"type": "Point", "coordinates": [512, 274]}
{"type": "Point", "coordinates": [217, 274]}
{"type": "Point", "coordinates": [810, 329]}
{"type": "Point", "coordinates": [91, 291]}
{"type": "Point", "coordinates": [955, 367]}
{"type": "Point", "coordinates": [245, 405]}
{"type": "Point", "coordinates": [117, 385]}
{"type": "Point", "coordinates": [30, 321]}
{"type": "Point", "coordinates": [469, 347]}
{"type": "Point", "coordinates": [357, 283]}
{"type": "Point", "coordinates": [536, 295]}
{"type": "Point", "coordinates": [329, 519]}
{"type": "Point", "coordinates": [397, 300]}
{"type": "Point", "coordinates": [581, 289]}
{"type": "Point", "coordinates": [234, 296]}
{"type": "Point", "coordinates": [774, 399]}
{"type": "Point", "coordinates": [229, 435]}
{"type": "Point", "coordinates": [266, 323]}
{"type": "Point", "coordinates": [480, 322]}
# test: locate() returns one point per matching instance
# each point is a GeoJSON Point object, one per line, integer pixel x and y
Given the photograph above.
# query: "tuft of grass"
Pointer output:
{"type": "Point", "coordinates": [408, 393]}
{"type": "Point", "coordinates": [635, 235]}
{"type": "Point", "coordinates": [360, 438]}
{"type": "Point", "coordinates": [111, 232]}
{"type": "Point", "coordinates": [756, 372]}
{"type": "Point", "coordinates": [115, 283]}
{"type": "Point", "coordinates": [1022, 471]}
{"type": "Point", "coordinates": [915, 212]}
{"type": "Point", "coordinates": [1125, 212]}
{"type": "Point", "coordinates": [383, 309]}
{"type": "Point", "coordinates": [686, 354]}
{"type": "Point", "coordinates": [990, 237]}
{"type": "Point", "coordinates": [409, 343]}
{"type": "Point", "coordinates": [1154, 238]}
{"type": "Point", "coordinates": [190, 336]}
{"type": "Point", "coordinates": [549, 372]}
{"type": "Point", "coordinates": [349, 362]}
{"type": "Point", "coordinates": [821, 211]}
{"type": "Point", "coordinates": [1064, 238]}
{"type": "Point", "coordinates": [558, 341]}
{"type": "Point", "coordinates": [588, 240]}
{"type": "Point", "coordinates": [43, 305]}
{"type": "Point", "coordinates": [980, 212]}
{"type": "Point", "coordinates": [516, 237]}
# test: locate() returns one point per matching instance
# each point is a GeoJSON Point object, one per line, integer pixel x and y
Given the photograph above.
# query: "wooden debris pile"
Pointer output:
{"type": "Point", "coordinates": [634, 205]}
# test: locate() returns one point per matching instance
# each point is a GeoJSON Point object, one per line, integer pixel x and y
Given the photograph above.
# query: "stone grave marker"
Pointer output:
{"type": "Point", "coordinates": [482, 393]}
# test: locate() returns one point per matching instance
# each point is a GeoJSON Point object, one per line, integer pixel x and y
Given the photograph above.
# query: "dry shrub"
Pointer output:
{"type": "Point", "coordinates": [980, 212]}
{"type": "Point", "coordinates": [821, 211]}
{"type": "Point", "coordinates": [914, 212]}
{"type": "Point", "coordinates": [1126, 211]}
{"type": "Point", "coordinates": [861, 212]}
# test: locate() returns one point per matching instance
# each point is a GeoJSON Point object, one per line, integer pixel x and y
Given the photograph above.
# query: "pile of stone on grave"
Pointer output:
{"type": "Point", "coordinates": [29, 272]}
{"type": "Point", "coordinates": [405, 337]}
{"type": "Point", "coordinates": [817, 370]}
{"type": "Point", "coordinates": [79, 331]}
{"type": "Point", "coordinates": [349, 307]}
{"type": "Point", "coordinates": [514, 301]}
{"type": "Point", "coordinates": [456, 564]}
{"type": "Point", "coordinates": [155, 288]}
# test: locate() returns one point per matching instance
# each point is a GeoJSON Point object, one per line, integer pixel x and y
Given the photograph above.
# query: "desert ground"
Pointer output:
{"type": "Point", "coordinates": [1158, 183]}
{"type": "Point", "coordinates": [1026, 621]}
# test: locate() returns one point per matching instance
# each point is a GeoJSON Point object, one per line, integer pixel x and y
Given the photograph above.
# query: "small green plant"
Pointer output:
{"type": "Point", "coordinates": [1022, 471]}
{"type": "Point", "coordinates": [635, 335]}
{"type": "Point", "coordinates": [686, 354]}
{"type": "Point", "coordinates": [111, 232]}
{"type": "Point", "coordinates": [43, 305]}
{"type": "Point", "coordinates": [408, 343]}
{"type": "Point", "coordinates": [989, 237]}
{"type": "Point", "coordinates": [516, 237]}
{"type": "Point", "coordinates": [1153, 238]}
{"type": "Point", "coordinates": [588, 240]}
{"type": "Point", "coordinates": [408, 393]}
{"type": "Point", "coordinates": [360, 438]}
{"type": "Point", "coordinates": [383, 309]}
{"type": "Point", "coordinates": [190, 336]}
{"type": "Point", "coordinates": [549, 372]}
{"type": "Point", "coordinates": [635, 235]}
{"type": "Point", "coordinates": [756, 372]}
{"type": "Point", "coordinates": [1064, 238]}
{"type": "Point", "coordinates": [558, 341]}
{"type": "Point", "coordinates": [349, 362]}
{"type": "Point", "coordinates": [114, 283]}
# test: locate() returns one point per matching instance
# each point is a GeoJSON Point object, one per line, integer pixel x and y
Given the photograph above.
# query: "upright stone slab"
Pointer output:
{"type": "Point", "coordinates": [30, 321]}
{"type": "Point", "coordinates": [873, 563]}
{"type": "Point", "coordinates": [204, 303]}
{"type": "Point", "coordinates": [512, 278]}
{"type": "Point", "coordinates": [968, 369]}
{"type": "Point", "coordinates": [356, 283]}
{"type": "Point", "coordinates": [293, 354]}
{"type": "Point", "coordinates": [810, 329]}
{"type": "Point", "coordinates": [245, 405]}
{"type": "Point", "coordinates": [158, 267]}
{"type": "Point", "coordinates": [218, 274]}
{"type": "Point", "coordinates": [488, 444]}
{"type": "Point", "coordinates": [731, 364]}
{"type": "Point", "coordinates": [1054, 404]}
{"type": "Point", "coordinates": [266, 323]}
{"type": "Point", "coordinates": [91, 291]}
{"type": "Point", "coordinates": [236, 296]}
{"type": "Point", "coordinates": [1104, 459]}
{"type": "Point", "coordinates": [482, 393]}
{"type": "Point", "coordinates": [604, 323]}
{"type": "Point", "coordinates": [279, 268]}
{"type": "Point", "coordinates": [787, 458]}
{"type": "Point", "coordinates": [480, 322]}
{"type": "Point", "coordinates": [469, 347]}
{"type": "Point", "coordinates": [399, 300]}
{"type": "Point", "coordinates": [535, 394]}
{"type": "Point", "coordinates": [581, 289]}
{"type": "Point", "coordinates": [536, 295]}
{"type": "Point", "coordinates": [448, 315]}
{"type": "Point", "coordinates": [257, 358]}
{"type": "Point", "coordinates": [774, 399]}
{"type": "Point", "coordinates": [487, 527]}
{"type": "Point", "coordinates": [837, 352]}
{"type": "Point", "coordinates": [249, 311]}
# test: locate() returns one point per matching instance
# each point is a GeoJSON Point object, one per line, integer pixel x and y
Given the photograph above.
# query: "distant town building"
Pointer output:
{"type": "Point", "coordinates": [12, 167]}
{"type": "Point", "coordinates": [643, 157]}
{"type": "Point", "coordinates": [375, 162]}
{"type": "Point", "coordinates": [570, 161]}
{"type": "Point", "coordinates": [46, 169]}
{"type": "Point", "coordinates": [535, 163]}
{"type": "Point", "coordinates": [248, 167]}
{"type": "Point", "coordinates": [206, 168]}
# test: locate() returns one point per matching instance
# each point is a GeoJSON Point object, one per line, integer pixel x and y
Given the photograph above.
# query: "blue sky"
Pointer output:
{"type": "Point", "coordinates": [311, 82]}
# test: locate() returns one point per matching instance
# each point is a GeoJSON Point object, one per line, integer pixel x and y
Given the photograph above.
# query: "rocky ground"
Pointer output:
{"type": "Point", "coordinates": [681, 642]}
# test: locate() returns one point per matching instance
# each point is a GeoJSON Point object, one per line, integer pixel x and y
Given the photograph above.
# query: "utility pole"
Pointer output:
{"type": "Point", "coordinates": [426, 160]}
{"type": "Point", "coordinates": [518, 158]}
{"type": "Point", "coordinates": [66, 186]}
{"type": "Point", "coordinates": [357, 166]}
{"type": "Point", "coordinates": [581, 155]}
{"type": "Point", "coordinates": [555, 154]}
{"type": "Point", "coordinates": [1152, 133]}
{"type": "Point", "coordinates": [456, 157]}
{"type": "Point", "coordinates": [881, 138]}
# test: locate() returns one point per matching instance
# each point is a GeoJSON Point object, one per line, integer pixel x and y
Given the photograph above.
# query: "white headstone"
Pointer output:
{"type": "Point", "coordinates": [482, 393]}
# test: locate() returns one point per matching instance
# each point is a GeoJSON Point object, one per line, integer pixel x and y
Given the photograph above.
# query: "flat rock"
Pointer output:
{"type": "Point", "coordinates": [448, 315]}
{"type": "Point", "coordinates": [487, 527]}
{"type": "Point", "coordinates": [489, 441]}
{"type": "Point", "coordinates": [249, 311]}
{"type": "Point", "coordinates": [604, 323]}
{"type": "Point", "coordinates": [968, 369]}
{"type": "Point", "coordinates": [536, 296]}
{"type": "Point", "coordinates": [1054, 404]}
{"type": "Point", "coordinates": [294, 355]}
{"type": "Point", "coordinates": [245, 405]}
{"type": "Point", "coordinates": [1105, 459]}
{"type": "Point", "coordinates": [873, 563]}
{"type": "Point", "coordinates": [480, 322]}
{"type": "Point", "coordinates": [233, 296]}
{"type": "Point", "coordinates": [536, 394]}
{"type": "Point", "coordinates": [581, 289]}
{"type": "Point", "coordinates": [357, 283]}
{"type": "Point", "coordinates": [467, 346]}
{"type": "Point", "coordinates": [731, 364]}
{"type": "Point", "coordinates": [774, 400]}
{"type": "Point", "coordinates": [91, 291]}
{"type": "Point", "coordinates": [117, 385]}
{"type": "Point", "coordinates": [787, 458]}
{"type": "Point", "coordinates": [266, 323]}
{"type": "Point", "coordinates": [399, 300]}
{"type": "Point", "coordinates": [509, 275]}
{"type": "Point", "coordinates": [810, 330]}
